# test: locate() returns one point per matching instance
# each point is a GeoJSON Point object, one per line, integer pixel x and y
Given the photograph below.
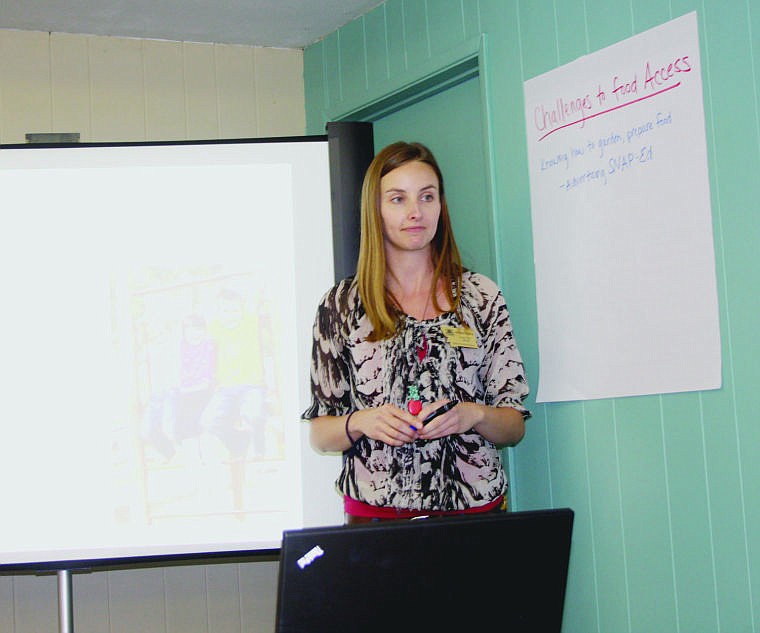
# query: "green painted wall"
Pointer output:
{"type": "Point", "coordinates": [666, 488]}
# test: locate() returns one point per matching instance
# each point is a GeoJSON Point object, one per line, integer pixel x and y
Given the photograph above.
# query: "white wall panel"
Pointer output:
{"type": "Point", "coordinates": [70, 85]}
{"type": "Point", "coordinates": [25, 77]}
{"type": "Point", "coordinates": [165, 108]}
{"type": "Point", "coordinates": [200, 91]}
{"type": "Point", "coordinates": [279, 102]}
{"type": "Point", "coordinates": [236, 91]}
{"type": "Point", "coordinates": [118, 89]}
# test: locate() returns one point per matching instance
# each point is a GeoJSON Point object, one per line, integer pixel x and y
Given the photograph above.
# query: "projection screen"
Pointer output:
{"type": "Point", "coordinates": [156, 335]}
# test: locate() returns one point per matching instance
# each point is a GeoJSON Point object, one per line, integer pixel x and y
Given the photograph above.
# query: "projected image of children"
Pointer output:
{"type": "Point", "coordinates": [172, 415]}
{"type": "Point", "coordinates": [235, 413]}
{"type": "Point", "coordinates": [210, 427]}
{"type": "Point", "coordinates": [197, 358]}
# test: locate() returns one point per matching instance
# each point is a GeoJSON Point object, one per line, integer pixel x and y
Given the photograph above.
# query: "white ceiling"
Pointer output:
{"type": "Point", "coordinates": [275, 23]}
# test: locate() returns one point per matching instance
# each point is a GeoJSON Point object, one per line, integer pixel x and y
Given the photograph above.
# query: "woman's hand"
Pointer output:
{"type": "Point", "coordinates": [455, 420]}
{"type": "Point", "coordinates": [388, 423]}
{"type": "Point", "coordinates": [504, 426]}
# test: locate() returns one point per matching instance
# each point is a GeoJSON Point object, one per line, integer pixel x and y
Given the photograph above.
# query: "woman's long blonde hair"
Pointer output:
{"type": "Point", "coordinates": [381, 307]}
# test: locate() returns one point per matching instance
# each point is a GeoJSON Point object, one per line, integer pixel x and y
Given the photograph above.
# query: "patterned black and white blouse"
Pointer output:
{"type": "Point", "coordinates": [349, 373]}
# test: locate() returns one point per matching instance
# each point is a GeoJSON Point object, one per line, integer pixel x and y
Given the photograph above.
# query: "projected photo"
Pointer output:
{"type": "Point", "coordinates": [208, 392]}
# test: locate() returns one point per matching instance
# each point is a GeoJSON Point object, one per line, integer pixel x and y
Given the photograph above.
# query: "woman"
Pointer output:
{"type": "Point", "coordinates": [413, 331]}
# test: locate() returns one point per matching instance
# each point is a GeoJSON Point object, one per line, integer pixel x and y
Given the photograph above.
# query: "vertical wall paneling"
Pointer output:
{"type": "Point", "coordinates": [137, 601]}
{"type": "Point", "coordinates": [609, 569]}
{"type": "Point", "coordinates": [224, 600]}
{"type": "Point", "coordinates": [644, 507]}
{"type": "Point", "coordinates": [487, 135]}
{"type": "Point", "coordinates": [376, 40]}
{"type": "Point", "coordinates": [186, 599]}
{"type": "Point", "coordinates": [279, 104]}
{"type": "Point", "coordinates": [567, 452]}
{"type": "Point", "coordinates": [26, 94]}
{"type": "Point", "coordinates": [731, 466]}
{"type": "Point", "coordinates": [332, 71]}
{"type": "Point", "coordinates": [471, 19]}
{"type": "Point", "coordinates": [315, 89]}
{"type": "Point", "coordinates": [608, 22]}
{"type": "Point", "coordinates": [445, 24]}
{"type": "Point", "coordinates": [6, 603]}
{"type": "Point", "coordinates": [70, 82]}
{"type": "Point", "coordinates": [165, 118]}
{"type": "Point", "coordinates": [533, 46]}
{"type": "Point", "coordinates": [236, 91]}
{"type": "Point", "coordinates": [504, 101]}
{"type": "Point", "coordinates": [396, 45]}
{"type": "Point", "coordinates": [91, 601]}
{"type": "Point", "coordinates": [572, 41]}
{"type": "Point", "coordinates": [35, 603]}
{"type": "Point", "coordinates": [117, 86]}
{"type": "Point", "coordinates": [417, 31]}
{"type": "Point", "coordinates": [527, 40]}
{"type": "Point", "coordinates": [736, 150]}
{"type": "Point", "coordinates": [353, 59]}
{"type": "Point", "coordinates": [684, 437]}
{"type": "Point", "coordinates": [258, 595]}
{"type": "Point", "coordinates": [200, 91]}
{"type": "Point", "coordinates": [650, 14]}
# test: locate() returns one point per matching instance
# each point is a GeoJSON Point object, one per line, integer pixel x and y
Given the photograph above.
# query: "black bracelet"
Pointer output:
{"type": "Point", "coordinates": [348, 435]}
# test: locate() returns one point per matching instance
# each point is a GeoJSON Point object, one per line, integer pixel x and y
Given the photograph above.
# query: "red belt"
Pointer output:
{"type": "Point", "coordinates": [356, 508]}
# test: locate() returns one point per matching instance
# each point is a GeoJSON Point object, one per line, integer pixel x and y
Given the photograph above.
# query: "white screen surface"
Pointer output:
{"type": "Point", "coordinates": [158, 305]}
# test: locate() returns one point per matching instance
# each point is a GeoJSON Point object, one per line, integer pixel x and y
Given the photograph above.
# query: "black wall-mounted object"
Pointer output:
{"type": "Point", "coordinates": [351, 148]}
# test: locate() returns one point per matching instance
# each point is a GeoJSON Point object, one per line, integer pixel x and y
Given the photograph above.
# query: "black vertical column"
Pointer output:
{"type": "Point", "coordinates": [351, 149]}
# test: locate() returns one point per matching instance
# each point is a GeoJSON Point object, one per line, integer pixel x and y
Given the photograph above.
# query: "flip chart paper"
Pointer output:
{"type": "Point", "coordinates": [620, 199]}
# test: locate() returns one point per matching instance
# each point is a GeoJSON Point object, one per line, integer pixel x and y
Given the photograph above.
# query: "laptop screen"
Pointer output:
{"type": "Point", "coordinates": [487, 572]}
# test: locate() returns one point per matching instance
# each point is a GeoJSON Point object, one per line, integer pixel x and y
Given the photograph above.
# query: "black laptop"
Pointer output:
{"type": "Point", "coordinates": [482, 572]}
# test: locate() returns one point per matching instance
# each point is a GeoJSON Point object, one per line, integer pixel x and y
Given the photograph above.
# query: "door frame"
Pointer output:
{"type": "Point", "coordinates": [468, 60]}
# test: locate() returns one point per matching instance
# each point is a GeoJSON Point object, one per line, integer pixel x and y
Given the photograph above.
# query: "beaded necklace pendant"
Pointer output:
{"type": "Point", "coordinates": [413, 404]}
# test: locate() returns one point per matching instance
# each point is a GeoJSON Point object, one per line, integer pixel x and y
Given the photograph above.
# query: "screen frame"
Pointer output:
{"type": "Point", "coordinates": [317, 468]}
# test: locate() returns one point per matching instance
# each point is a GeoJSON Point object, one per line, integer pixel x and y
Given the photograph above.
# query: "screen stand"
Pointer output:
{"type": "Point", "coordinates": [65, 603]}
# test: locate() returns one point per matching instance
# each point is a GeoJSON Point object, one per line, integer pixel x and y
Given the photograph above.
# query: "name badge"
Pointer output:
{"type": "Point", "coordinates": [460, 336]}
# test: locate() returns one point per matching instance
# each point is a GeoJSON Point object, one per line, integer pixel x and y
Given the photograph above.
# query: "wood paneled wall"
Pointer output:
{"type": "Point", "coordinates": [119, 89]}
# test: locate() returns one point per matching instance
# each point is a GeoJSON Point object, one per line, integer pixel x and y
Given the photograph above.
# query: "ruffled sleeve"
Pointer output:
{"type": "Point", "coordinates": [502, 371]}
{"type": "Point", "coordinates": [330, 374]}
